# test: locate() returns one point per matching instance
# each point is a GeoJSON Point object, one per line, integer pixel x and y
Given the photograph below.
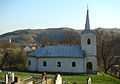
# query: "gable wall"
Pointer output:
{"type": "Point", "coordinates": [33, 66]}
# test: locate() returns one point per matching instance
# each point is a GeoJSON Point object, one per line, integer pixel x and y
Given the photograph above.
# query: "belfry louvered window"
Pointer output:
{"type": "Point", "coordinates": [88, 41]}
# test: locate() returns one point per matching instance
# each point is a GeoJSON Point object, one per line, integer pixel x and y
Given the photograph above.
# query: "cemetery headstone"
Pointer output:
{"type": "Point", "coordinates": [58, 79]}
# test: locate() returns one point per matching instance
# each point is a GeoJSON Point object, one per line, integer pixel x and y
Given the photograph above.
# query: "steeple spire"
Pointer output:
{"type": "Point", "coordinates": [87, 29]}
{"type": "Point", "coordinates": [87, 24]}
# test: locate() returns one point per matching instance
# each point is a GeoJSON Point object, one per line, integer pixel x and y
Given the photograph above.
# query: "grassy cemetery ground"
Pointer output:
{"type": "Point", "coordinates": [79, 79]}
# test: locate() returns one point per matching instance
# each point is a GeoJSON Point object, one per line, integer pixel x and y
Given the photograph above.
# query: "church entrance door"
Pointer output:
{"type": "Point", "coordinates": [89, 67]}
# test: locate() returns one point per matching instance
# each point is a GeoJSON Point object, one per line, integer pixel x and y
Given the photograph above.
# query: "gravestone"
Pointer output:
{"type": "Point", "coordinates": [58, 79]}
{"type": "Point", "coordinates": [12, 77]}
{"type": "Point", "coordinates": [6, 78]}
{"type": "Point", "coordinates": [89, 80]}
{"type": "Point", "coordinates": [9, 78]}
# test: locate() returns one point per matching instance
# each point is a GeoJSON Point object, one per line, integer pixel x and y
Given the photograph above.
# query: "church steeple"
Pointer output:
{"type": "Point", "coordinates": [87, 29]}
{"type": "Point", "coordinates": [87, 24]}
{"type": "Point", "coordinates": [88, 38]}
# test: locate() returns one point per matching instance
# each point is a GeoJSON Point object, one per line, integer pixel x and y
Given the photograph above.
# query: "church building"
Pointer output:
{"type": "Point", "coordinates": [67, 59]}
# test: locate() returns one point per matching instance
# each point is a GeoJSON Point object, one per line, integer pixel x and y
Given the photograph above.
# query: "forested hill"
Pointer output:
{"type": "Point", "coordinates": [35, 35]}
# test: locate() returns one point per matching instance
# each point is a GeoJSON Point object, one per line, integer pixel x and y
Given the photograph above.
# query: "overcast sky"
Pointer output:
{"type": "Point", "coordinates": [40, 14]}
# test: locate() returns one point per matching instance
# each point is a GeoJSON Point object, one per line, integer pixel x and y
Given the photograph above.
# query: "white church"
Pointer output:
{"type": "Point", "coordinates": [67, 59]}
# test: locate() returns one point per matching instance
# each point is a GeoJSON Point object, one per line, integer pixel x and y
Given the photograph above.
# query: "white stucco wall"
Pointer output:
{"type": "Point", "coordinates": [33, 66]}
{"type": "Point", "coordinates": [66, 65]}
{"type": "Point", "coordinates": [89, 49]}
{"type": "Point", "coordinates": [93, 60]}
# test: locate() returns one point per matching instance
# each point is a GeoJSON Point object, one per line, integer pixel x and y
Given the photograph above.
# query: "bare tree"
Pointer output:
{"type": "Point", "coordinates": [46, 41]}
{"type": "Point", "coordinates": [108, 44]}
{"type": "Point", "coordinates": [70, 38]}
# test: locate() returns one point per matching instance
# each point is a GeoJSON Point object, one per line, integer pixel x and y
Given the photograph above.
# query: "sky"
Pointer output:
{"type": "Point", "coordinates": [42, 14]}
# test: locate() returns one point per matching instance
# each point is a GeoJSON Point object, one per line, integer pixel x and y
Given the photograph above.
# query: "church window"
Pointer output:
{"type": "Point", "coordinates": [73, 64]}
{"type": "Point", "coordinates": [29, 62]}
{"type": "Point", "coordinates": [44, 63]}
{"type": "Point", "coordinates": [59, 64]}
{"type": "Point", "coordinates": [88, 41]}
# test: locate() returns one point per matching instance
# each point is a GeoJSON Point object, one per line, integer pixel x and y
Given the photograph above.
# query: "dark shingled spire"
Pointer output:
{"type": "Point", "coordinates": [87, 24]}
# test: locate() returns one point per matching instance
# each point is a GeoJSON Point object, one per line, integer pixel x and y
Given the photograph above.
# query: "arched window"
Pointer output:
{"type": "Point", "coordinates": [44, 63]}
{"type": "Point", "coordinates": [29, 63]}
{"type": "Point", "coordinates": [59, 64]}
{"type": "Point", "coordinates": [88, 41]}
{"type": "Point", "coordinates": [73, 64]}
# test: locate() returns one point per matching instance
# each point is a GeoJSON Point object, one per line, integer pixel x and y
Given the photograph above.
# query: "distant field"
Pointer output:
{"type": "Point", "coordinates": [79, 79]}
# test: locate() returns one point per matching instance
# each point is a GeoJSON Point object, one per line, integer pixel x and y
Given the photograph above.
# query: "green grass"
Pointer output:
{"type": "Point", "coordinates": [79, 79]}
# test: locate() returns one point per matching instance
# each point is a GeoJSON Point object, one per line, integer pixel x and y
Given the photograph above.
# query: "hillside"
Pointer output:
{"type": "Point", "coordinates": [35, 35]}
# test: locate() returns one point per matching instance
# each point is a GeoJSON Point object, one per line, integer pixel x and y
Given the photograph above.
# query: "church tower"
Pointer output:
{"type": "Point", "coordinates": [88, 44]}
{"type": "Point", "coordinates": [88, 38]}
